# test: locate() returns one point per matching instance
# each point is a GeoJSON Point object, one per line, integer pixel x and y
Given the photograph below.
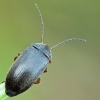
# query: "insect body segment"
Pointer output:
{"type": "Point", "coordinates": [25, 71]}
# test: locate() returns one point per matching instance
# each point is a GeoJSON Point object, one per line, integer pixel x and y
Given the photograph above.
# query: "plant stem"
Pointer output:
{"type": "Point", "coordinates": [3, 95]}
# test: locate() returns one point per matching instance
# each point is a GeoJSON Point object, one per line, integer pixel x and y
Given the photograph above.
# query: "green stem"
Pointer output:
{"type": "Point", "coordinates": [3, 95]}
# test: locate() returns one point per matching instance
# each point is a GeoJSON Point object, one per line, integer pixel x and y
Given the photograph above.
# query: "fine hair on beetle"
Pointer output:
{"type": "Point", "coordinates": [42, 23]}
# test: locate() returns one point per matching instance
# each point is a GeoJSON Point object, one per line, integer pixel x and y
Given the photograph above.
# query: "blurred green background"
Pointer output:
{"type": "Point", "coordinates": [75, 71]}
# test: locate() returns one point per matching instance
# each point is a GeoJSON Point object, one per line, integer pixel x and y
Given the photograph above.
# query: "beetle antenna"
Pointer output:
{"type": "Point", "coordinates": [71, 39]}
{"type": "Point", "coordinates": [42, 23]}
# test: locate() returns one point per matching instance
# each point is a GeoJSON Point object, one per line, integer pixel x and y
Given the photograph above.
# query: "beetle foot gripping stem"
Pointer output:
{"type": "Point", "coordinates": [17, 56]}
{"type": "Point", "coordinates": [37, 81]}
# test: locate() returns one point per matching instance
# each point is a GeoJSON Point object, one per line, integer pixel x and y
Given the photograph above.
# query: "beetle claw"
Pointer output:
{"type": "Point", "coordinates": [45, 70]}
{"type": "Point", "coordinates": [17, 56]}
{"type": "Point", "coordinates": [37, 81]}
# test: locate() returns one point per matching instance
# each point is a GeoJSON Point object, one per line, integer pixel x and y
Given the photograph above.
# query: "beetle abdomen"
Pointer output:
{"type": "Point", "coordinates": [25, 71]}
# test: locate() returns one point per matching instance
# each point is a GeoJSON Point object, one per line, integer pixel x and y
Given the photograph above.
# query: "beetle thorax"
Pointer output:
{"type": "Point", "coordinates": [44, 49]}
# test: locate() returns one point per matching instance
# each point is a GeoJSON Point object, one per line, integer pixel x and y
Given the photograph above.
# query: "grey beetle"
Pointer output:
{"type": "Point", "coordinates": [29, 65]}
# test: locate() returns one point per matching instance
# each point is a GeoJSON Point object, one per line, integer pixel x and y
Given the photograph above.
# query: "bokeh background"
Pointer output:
{"type": "Point", "coordinates": [75, 71]}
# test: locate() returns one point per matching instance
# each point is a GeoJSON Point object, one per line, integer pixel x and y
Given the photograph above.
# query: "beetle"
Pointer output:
{"type": "Point", "coordinates": [29, 65]}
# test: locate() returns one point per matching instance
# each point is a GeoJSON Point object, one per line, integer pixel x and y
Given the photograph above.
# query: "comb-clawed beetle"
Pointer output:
{"type": "Point", "coordinates": [29, 65]}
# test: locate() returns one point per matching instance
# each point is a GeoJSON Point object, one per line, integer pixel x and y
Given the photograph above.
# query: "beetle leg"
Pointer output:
{"type": "Point", "coordinates": [50, 61]}
{"type": "Point", "coordinates": [37, 81]}
{"type": "Point", "coordinates": [19, 53]}
{"type": "Point", "coordinates": [17, 56]}
{"type": "Point", "coordinates": [45, 70]}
